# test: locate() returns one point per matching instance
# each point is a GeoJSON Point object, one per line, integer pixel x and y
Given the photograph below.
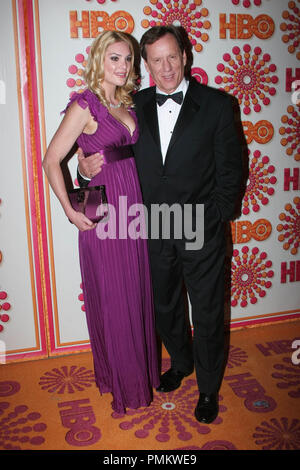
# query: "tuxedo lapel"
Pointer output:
{"type": "Point", "coordinates": [188, 110]}
{"type": "Point", "coordinates": [191, 104]}
{"type": "Point", "coordinates": [151, 119]}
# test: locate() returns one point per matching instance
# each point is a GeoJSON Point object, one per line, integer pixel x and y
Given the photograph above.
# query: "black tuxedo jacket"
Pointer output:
{"type": "Point", "coordinates": [203, 164]}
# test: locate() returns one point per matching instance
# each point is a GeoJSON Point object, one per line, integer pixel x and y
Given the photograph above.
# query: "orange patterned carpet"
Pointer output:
{"type": "Point", "coordinates": [54, 404]}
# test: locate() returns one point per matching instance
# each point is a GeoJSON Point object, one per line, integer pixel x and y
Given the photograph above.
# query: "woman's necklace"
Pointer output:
{"type": "Point", "coordinates": [115, 106]}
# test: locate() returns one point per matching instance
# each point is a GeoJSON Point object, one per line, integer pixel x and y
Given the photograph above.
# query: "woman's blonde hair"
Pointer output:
{"type": "Point", "coordinates": [94, 71]}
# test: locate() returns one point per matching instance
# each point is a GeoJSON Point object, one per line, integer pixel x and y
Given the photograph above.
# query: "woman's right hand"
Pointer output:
{"type": "Point", "coordinates": [81, 221]}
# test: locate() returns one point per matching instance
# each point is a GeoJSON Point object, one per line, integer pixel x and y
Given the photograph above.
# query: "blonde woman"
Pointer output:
{"type": "Point", "coordinates": [115, 270]}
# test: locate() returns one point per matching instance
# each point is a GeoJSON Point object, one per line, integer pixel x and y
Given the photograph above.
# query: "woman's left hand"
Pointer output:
{"type": "Point", "coordinates": [81, 221]}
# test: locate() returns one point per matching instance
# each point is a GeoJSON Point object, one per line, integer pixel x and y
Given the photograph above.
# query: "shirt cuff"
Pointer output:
{"type": "Point", "coordinates": [84, 177]}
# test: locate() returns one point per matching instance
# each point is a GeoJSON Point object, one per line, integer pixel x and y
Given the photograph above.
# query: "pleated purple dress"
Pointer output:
{"type": "Point", "coordinates": [115, 272]}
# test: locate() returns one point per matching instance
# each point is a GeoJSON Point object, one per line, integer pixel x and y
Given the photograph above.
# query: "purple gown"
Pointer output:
{"type": "Point", "coordinates": [115, 273]}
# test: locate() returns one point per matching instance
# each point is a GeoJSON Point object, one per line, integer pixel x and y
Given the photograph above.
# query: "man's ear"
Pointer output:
{"type": "Point", "coordinates": [184, 58]}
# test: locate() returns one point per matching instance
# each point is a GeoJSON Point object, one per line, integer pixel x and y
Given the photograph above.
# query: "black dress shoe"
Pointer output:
{"type": "Point", "coordinates": [171, 380]}
{"type": "Point", "coordinates": [207, 408]}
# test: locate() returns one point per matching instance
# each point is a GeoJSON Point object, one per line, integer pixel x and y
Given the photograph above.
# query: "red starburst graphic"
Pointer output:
{"type": "Point", "coordinates": [184, 13]}
{"type": "Point", "coordinates": [291, 28]}
{"type": "Point", "coordinates": [291, 132]}
{"type": "Point", "coordinates": [19, 427]}
{"type": "Point", "coordinates": [248, 76]}
{"type": "Point", "coordinates": [67, 379]}
{"type": "Point", "coordinates": [290, 227]}
{"type": "Point", "coordinates": [260, 183]}
{"type": "Point", "coordinates": [4, 306]}
{"type": "Point", "coordinates": [250, 274]}
{"type": "Point", "coordinates": [101, 1]}
{"type": "Point", "coordinates": [247, 3]}
{"type": "Point", "coordinates": [219, 445]}
{"type": "Point", "coordinates": [236, 357]}
{"type": "Point", "coordinates": [76, 82]}
{"type": "Point", "coordinates": [81, 299]}
{"type": "Point", "coordinates": [278, 434]}
{"type": "Point", "coordinates": [169, 414]}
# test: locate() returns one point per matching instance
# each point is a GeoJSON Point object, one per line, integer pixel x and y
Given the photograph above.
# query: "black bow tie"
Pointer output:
{"type": "Point", "coordinates": [177, 97]}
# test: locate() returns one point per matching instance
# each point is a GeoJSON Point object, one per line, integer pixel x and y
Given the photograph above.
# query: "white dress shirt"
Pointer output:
{"type": "Point", "coordinates": [167, 117]}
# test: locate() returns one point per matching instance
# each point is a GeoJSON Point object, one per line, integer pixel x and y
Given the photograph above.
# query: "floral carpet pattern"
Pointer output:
{"type": "Point", "coordinates": [54, 404]}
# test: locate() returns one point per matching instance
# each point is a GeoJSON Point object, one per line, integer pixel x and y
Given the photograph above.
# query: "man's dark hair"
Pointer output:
{"type": "Point", "coordinates": [157, 32]}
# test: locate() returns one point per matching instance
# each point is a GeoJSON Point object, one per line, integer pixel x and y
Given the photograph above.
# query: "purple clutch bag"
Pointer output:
{"type": "Point", "coordinates": [91, 201]}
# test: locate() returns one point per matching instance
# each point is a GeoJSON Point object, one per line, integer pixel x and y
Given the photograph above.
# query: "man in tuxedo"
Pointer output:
{"type": "Point", "coordinates": [188, 152]}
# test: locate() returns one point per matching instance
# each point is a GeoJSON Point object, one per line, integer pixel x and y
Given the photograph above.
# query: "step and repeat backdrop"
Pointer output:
{"type": "Point", "coordinates": [250, 49]}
